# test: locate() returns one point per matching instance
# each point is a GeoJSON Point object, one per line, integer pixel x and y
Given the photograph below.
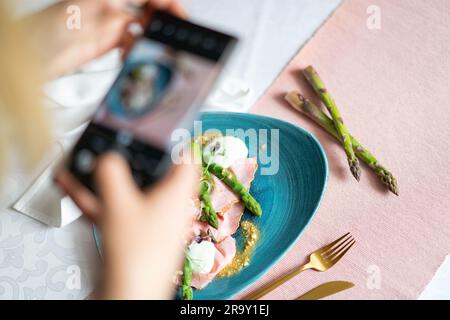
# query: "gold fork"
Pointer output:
{"type": "Point", "coordinates": [320, 260]}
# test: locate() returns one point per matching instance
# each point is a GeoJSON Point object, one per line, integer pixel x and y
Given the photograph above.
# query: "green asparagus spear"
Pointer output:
{"type": "Point", "coordinates": [230, 179]}
{"type": "Point", "coordinates": [319, 87]}
{"type": "Point", "coordinates": [196, 152]}
{"type": "Point", "coordinates": [300, 103]}
{"type": "Point", "coordinates": [208, 213]}
{"type": "Point", "coordinates": [186, 289]}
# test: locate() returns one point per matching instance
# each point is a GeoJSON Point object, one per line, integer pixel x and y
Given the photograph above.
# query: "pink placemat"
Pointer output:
{"type": "Point", "coordinates": [392, 86]}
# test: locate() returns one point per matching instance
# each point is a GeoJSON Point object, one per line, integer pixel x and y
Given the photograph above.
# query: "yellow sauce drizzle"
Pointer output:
{"type": "Point", "coordinates": [242, 259]}
{"type": "Point", "coordinates": [207, 137]}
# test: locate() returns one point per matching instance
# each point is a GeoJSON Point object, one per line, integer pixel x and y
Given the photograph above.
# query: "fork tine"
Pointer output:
{"type": "Point", "coordinates": [329, 246]}
{"type": "Point", "coordinates": [341, 253]}
{"type": "Point", "coordinates": [337, 248]}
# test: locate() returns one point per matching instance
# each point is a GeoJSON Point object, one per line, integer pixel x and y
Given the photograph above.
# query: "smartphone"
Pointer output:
{"type": "Point", "coordinates": [162, 84]}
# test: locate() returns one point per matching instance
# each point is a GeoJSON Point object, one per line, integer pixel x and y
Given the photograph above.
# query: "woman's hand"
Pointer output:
{"type": "Point", "coordinates": [103, 26]}
{"type": "Point", "coordinates": [142, 232]}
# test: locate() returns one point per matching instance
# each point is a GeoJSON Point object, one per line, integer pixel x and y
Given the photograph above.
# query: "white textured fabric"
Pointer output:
{"type": "Point", "coordinates": [36, 261]}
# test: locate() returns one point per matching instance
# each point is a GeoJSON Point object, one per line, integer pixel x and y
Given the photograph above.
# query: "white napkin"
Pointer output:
{"type": "Point", "coordinates": [44, 201]}
{"type": "Point", "coordinates": [71, 99]}
{"type": "Point", "coordinates": [231, 94]}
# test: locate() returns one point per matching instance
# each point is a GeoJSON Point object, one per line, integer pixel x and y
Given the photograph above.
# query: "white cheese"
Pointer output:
{"type": "Point", "coordinates": [202, 256]}
{"type": "Point", "coordinates": [224, 151]}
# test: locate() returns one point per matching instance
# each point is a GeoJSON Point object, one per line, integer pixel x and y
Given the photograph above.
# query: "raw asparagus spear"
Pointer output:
{"type": "Point", "coordinates": [208, 213]}
{"type": "Point", "coordinates": [300, 103]}
{"type": "Point", "coordinates": [319, 87]}
{"type": "Point", "coordinates": [230, 179]}
{"type": "Point", "coordinates": [186, 289]}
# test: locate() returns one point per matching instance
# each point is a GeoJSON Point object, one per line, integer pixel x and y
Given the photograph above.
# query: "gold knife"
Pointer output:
{"type": "Point", "coordinates": [326, 289]}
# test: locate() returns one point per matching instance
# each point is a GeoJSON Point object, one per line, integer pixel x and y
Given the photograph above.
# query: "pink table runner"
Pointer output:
{"type": "Point", "coordinates": [393, 88]}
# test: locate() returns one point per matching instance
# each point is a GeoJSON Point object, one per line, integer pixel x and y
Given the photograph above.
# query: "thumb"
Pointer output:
{"type": "Point", "coordinates": [113, 178]}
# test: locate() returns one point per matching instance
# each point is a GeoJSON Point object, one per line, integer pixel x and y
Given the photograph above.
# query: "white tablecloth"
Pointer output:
{"type": "Point", "coordinates": [38, 262]}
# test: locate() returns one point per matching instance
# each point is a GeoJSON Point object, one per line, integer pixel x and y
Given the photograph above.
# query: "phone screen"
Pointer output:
{"type": "Point", "coordinates": [164, 79]}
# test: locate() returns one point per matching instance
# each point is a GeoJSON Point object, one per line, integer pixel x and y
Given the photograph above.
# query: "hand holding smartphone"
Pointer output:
{"type": "Point", "coordinates": [164, 79]}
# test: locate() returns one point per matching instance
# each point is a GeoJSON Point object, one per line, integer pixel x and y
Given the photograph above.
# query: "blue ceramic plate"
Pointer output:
{"type": "Point", "coordinates": [288, 198]}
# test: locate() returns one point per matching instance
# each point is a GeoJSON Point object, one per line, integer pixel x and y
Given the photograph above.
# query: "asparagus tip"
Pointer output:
{"type": "Point", "coordinates": [394, 191]}
{"type": "Point", "coordinates": [258, 210]}
{"type": "Point", "coordinates": [355, 168]}
{"type": "Point", "coordinates": [393, 187]}
{"type": "Point", "coordinates": [389, 180]}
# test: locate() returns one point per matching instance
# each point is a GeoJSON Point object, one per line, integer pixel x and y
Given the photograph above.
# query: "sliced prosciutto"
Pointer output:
{"type": "Point", "coordinates": [225, 252]}
{"type": "Point", "coordinates": [226, 203]}
{"type": "Point", "coordinates": [229, 209]}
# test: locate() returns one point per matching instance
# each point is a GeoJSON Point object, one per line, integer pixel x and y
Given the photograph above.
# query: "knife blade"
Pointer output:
{"type": "Point", "coordinates": [325, 290]}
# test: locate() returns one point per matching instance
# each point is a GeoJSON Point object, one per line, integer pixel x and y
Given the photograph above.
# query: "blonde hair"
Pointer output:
{"type": "Point", "coordinates": [24, 128]}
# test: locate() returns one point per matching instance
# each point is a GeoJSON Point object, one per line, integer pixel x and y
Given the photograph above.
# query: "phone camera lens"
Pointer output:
{"type": "Point", "coordinates": [98, 144]}
{"type": "Point", "coordinates": [156, 25]}
{"type": "Point", "coordinates": [85, 161]}
{"type": "Point", "coordinates": [168, 30]}
{"type": "Point", "coordinates": [209, 43]}
{"type": "Point", "coordinates": [181, 34]}
{"type": "Point", "coordinates": [195, 39]}
{"type": "Point", "coordinates": [124, 138]}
